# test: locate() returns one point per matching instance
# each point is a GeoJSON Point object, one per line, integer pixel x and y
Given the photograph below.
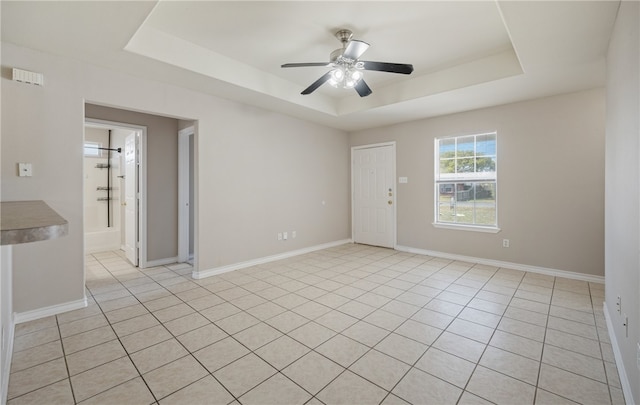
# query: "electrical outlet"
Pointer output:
{"type": "Point", "coordinates": [285, 236]}
{"type": "Point", "coordinates": [505, 243]}
{"type": "Point", "coordinates": [279, 236]}
{"type": "Point", "coordinates": [293, 234]}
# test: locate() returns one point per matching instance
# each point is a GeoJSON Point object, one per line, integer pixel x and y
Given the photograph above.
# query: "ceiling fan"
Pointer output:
{"type": "Point", "coordinates": [347, 67]}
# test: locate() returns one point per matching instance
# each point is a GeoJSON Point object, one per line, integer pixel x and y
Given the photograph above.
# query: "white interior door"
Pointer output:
{"type": "Point", "coordinates": [130, 198]}
{"type": "Point", "coordinates": [185, 194]}
{"type": "Point", "coordinates": [373, 174]}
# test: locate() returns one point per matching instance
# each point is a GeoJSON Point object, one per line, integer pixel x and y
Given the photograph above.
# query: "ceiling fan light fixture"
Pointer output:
{"type": "Point", "coordinates": [345, 77]}
{"type": "Point", "coordinates": [347, 68]}
{"type": "Point", "coordinates": [337, 77]}
{"type": "Point", "coordinates": [352, 78]}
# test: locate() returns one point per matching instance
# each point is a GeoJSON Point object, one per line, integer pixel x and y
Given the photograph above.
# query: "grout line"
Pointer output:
{"type": "Point", "coordinates": [544, 339]}
{"type": "Point", "coordinates": [355, 264]}
{"type": "Point", "coordinates": [128, 355]}
{"type": "Point", "coordinates": [477, 363]}
{"type": "Point", "coordinates": [66, 364]}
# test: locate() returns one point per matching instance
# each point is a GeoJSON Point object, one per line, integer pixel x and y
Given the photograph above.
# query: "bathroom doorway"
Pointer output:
{"type": "Point", "coordinates": [113, 188]}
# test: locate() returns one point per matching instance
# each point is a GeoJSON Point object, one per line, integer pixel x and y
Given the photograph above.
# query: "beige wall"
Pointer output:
{"type": "Point", "coordinates": [257, 172]}
{"type": "Point", "coordinates": [263, 173]}
{"type": "Point", "coordinates": [162, 176]}
{"type": "Point", "coordinates": [622, 263]}
{"type": "Point", "coordinates": [44, 126]}
{"type": "Point", "coordinates": [550, 182]}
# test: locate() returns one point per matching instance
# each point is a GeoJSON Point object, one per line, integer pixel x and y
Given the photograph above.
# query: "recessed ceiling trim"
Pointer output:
{"type": "Point", "coordinates": [561, 46]}
{"type": "Point", "coordinates": [163, 47]}
{"type": "Point", "coordinates": [158, 45]}
{"type": "Point", "coordinates": [487, 69]}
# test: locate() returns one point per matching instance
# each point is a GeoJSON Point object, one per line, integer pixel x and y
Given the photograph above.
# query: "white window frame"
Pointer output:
{"type": "Point", "coordinates": [90, 147]}
{"type": "Point", "coordinates": [472, 177]}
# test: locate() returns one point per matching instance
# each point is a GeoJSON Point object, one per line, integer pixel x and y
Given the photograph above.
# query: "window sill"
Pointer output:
{"type": "Point", "coordinates": [472, 228]}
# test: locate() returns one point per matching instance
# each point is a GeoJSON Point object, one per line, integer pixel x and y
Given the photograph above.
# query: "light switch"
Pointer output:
{"type": "Point", "coordinates": [25, 169]}
{"type": "Point", "coordinates": [403, 180]}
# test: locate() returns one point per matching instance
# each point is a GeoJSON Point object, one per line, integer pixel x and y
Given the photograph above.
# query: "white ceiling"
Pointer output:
{"type": "Point", "coordinates": [466, 55]}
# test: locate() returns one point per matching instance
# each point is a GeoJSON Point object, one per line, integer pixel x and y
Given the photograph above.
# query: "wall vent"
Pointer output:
{"type": "Point", "coordinates": [26, 76]}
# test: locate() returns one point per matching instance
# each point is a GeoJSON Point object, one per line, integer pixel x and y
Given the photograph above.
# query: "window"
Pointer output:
{"type": "Point", "coordinates": [465, 183]}
{"type": "Point", "coordinates": [92, 149]}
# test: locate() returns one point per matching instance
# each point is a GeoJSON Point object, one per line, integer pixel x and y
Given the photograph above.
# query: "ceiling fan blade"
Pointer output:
{"type": "Point", "coordinates": [402, 68]}
{"type": "Point", "coordinates": [355, 49]}
{"type": "Point", "coordinates": [363, 89]}
{"type": "Point", "coordinates": [317, 83]}
{"type": "Point", "coordinates": [289, 65]}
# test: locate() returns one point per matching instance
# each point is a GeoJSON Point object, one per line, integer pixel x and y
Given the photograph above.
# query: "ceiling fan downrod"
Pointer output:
{"type": "Point", "coordinates": [344, 36]}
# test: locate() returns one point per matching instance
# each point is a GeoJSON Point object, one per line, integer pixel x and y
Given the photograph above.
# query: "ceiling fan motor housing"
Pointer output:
{"type": "Point", "coordinates": [344, 36]}
{"type": "Point", "coordinates": [333, 58]}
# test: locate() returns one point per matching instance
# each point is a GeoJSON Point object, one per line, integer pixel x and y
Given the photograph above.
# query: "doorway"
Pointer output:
{"type": "Point", "coordinates": [114, 189]}
{"type": "Point", "coordinates": [373, 192]}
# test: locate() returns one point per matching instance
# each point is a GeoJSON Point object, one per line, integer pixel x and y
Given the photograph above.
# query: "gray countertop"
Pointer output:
{"type": "Point", "coordinates": [30, 221]}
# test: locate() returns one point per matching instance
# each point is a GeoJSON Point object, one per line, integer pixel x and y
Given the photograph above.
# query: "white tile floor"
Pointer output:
{"type": "Point", "coordinates": [348, 325]}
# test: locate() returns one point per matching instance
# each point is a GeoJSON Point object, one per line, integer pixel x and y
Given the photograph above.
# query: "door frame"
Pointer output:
{"type": "Point", "coordinates": [184, 163]}
{"type": "Point", "coordinates": [141, 230]}
{"type": "Point", "coordinates": [394, 218]}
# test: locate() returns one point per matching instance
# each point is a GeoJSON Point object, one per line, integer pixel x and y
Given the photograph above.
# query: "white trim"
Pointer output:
{"type": "Point", "coordinates": [469, 177]}
{"type": "Point", "coordinates": [374, 145]}
{"type": "Point", "coordinates": [142, 200]}
{"type": "Point", "coordinates": [142, 179]}
{"type": "Point", "coordinates": [394, 186]}
{"type": "Point", "coordinates": [102, 248]}
{"type": "Point", "coordinates": [241, 265]}
{"type": "Point", "coordinates": [473, 228]}
{"type": "Point", "coordinates": [624, 378]}
{"type": "Point", "coordinates": [6, 368]}
{"type": "Point", "coordinates": [6, 318]}
{"type": "Point", "coordinates": [21, 317]}
{"type": "Point", "coordinates": [498, 263]}
{"type": "Point", "coordinates": [183, 192]}
{"type": "Point", "coordinates": [162, 262]}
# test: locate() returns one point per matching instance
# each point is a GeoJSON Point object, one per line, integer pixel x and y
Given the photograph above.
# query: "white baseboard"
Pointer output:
{"type": "Point", "coordinates": [509, 265]}
{"type": "Point", "coordinates": [267, 259]}
{"type": "Point", "coordinates": [21, 317]}
{"type": "Point", "coordinates": [100, 249]}
{"type": "Point", "coordinates": [161, 262]}
{"type": "Point", "coordinates": [6, 368]}
{"type": "Point", "coordinates": [624, 378]}
{"type": "Point", "coordinates": [489, 262]}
